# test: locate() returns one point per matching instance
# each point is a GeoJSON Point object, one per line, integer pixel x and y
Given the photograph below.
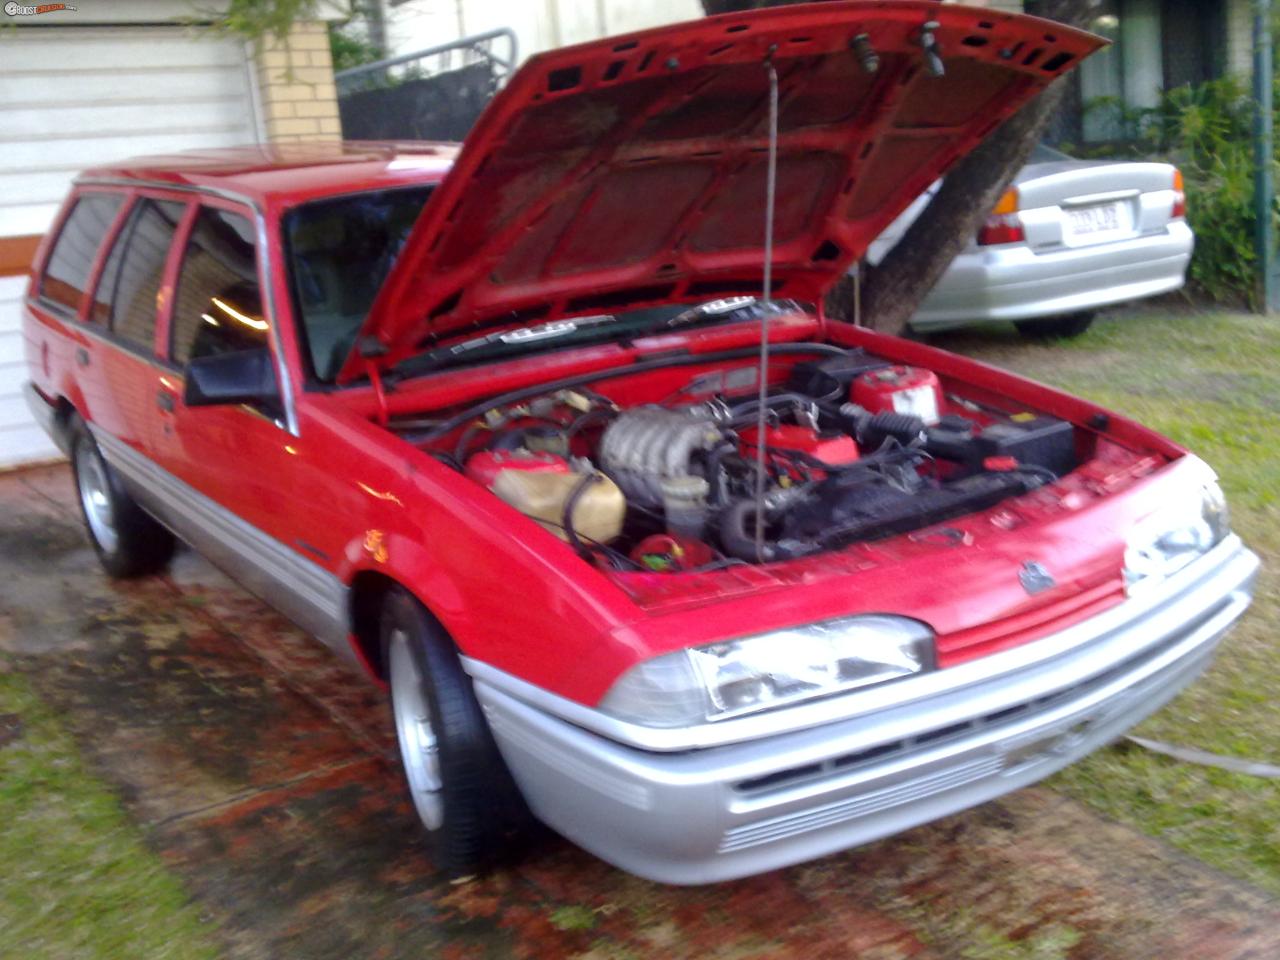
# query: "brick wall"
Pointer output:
{"type": "Point", "coordinates": [295, 82]}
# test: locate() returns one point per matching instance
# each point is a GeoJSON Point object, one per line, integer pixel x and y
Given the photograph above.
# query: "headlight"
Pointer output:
{"type": "Point", "coordinates": [1175, 535]}
{"type": "Point", "coordinates": [736, 677]}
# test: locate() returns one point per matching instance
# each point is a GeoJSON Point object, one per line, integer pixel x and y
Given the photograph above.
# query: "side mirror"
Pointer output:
{"type": "Point", "coordinates": [245, 376]}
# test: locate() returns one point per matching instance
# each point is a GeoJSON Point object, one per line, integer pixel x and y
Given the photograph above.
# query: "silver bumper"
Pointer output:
{"type": "Point", "coordinates": [713, 814]}
{"type": "Point", "coordinates": [1017, 283]}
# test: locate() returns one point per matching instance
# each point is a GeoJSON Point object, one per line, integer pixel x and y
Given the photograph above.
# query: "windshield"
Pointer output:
{"type": "Point", "coordinates": [339, 253]}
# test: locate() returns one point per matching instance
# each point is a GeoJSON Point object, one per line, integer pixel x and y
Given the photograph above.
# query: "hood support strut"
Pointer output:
{"type": "Point", "coordinates": [771, 189]}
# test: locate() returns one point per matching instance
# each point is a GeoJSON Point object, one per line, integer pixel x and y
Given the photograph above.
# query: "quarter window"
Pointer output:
{"type": "Point", "coordinates": [126, 294]}
{"type": "Point", "coordinates": [218, 305]}
{"type": "Point", "coordinates": [67, 274]}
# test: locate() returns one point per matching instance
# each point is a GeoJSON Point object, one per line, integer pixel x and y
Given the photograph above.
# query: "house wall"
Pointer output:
{"type": "Point", "coordinates": [538, 24]}
{"type": "Point", "coordinates": [545, 24]}
{"type": "Point", "coordinates": [108, 79]}
{"type": "Point", "coordinates": [1240, 37]}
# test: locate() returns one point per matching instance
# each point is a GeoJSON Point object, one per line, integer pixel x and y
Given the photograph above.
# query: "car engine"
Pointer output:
{"type": "Point", "coordinates": [857, 449]}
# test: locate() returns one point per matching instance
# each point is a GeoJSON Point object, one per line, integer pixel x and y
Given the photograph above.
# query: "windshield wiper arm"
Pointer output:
{"type": "Point", "coordinates": [553, 329]}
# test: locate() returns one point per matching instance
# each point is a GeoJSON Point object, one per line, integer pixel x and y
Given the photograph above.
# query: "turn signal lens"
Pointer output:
{"type": "Point", "coordinates": [1004, 225]}
{"type": "Point", "coordinates": [1179, 196]}
{"type": "Point", "coordinates": [1008, 203]}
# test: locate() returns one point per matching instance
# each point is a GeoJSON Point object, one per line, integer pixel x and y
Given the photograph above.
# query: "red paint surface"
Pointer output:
{"type": "Point", "coordinates": [510, 592]}
{"type": "Point", "coordinates": [632, 170]}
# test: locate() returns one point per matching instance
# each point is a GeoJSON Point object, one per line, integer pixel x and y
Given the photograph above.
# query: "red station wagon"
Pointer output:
{"type": "Point", "coordinates": [497, 423]}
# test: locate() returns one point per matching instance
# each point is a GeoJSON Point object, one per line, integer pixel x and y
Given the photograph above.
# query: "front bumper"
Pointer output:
{"type": "Point", "coordinates": [1016, 283]}
{"type": "Point", "coordinates": [706, 815]}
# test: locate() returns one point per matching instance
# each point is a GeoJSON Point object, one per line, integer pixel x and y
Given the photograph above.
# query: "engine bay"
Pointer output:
{"type": "Point", "coordinates": [857, 448]}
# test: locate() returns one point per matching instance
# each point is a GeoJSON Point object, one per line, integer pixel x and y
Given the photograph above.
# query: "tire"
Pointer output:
{"type": "Point", "coordinates": [1056, 328]}
{"type": "Point", "coordinates": [128, 541]}
{"type": "Point", "coordinates": [460, 788]}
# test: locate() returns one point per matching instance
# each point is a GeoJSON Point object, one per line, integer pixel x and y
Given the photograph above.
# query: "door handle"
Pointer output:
{"type": "Point", "coordinates": [82, 356]}
{"type": "Point", "coordinates": [164, 400]}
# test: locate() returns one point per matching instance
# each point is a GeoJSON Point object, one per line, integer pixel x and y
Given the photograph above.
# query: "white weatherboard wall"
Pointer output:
{"type": "Point", "coordinates": [20, 439]}
{"type": "Point", "coordinates": [76, 96]}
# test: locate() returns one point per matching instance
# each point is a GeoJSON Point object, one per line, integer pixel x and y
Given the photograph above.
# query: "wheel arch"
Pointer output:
{"type": "Point", "coordinates": [64, 412]}
{"type": "Point", "coordinates": [366, 593]}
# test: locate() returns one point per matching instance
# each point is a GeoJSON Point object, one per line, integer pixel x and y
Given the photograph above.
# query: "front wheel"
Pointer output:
{"type": "Point", "coordinates": [128, 541]}
{"type": "Point", "coordinates": [1056, 328]}
{"type": "Point", "coordinates": [460, 787]}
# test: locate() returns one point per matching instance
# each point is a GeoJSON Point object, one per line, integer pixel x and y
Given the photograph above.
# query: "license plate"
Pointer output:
{"type": "Point", "coordinates": [1086, 223]}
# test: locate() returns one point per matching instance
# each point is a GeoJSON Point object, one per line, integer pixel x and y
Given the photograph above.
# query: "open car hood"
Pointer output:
{"type": "Point", "coordinates": [632, 170]}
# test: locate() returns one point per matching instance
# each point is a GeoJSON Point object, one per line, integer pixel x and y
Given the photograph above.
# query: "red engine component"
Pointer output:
{"type": "Point", "coordinates": [909, 390]}
{"type": "Point", "coordinates": [792, 438]}
{"type": "Point", "coordinates": [663, 553]}
{"type": "Point", "coordinates": [485, 466]}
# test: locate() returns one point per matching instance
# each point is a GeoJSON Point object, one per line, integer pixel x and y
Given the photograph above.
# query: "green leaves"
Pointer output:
{"type": "Point", "coordinates": [1207, 131]}
{"type": "Point", "coordinates": [258, 19]}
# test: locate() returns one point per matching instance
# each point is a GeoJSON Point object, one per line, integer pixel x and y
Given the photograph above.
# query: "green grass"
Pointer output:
{"type": "Point", "coordinates": [1210, 381]}
{"type": "Point", "coordinates": [75, 878]}
{"type": "Point", "coordinates": [77, 881]}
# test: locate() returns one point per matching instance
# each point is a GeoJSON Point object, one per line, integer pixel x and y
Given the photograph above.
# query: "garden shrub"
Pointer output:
{"type": "Point", "coordinates": [1207, 132]}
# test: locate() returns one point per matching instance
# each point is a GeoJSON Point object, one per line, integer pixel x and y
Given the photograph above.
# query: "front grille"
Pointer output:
{"type": "Point", "coordinates": [863, 805]}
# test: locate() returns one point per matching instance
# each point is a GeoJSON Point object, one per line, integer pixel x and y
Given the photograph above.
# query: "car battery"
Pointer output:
{"type": "Point", "coordinates": [1033, 441]}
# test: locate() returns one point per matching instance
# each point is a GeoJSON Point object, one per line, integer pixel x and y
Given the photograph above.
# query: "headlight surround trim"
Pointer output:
{"type": "Point", "coordinates": [754, 674]}
{"type": "Point", "coordinates": [1176, 534]}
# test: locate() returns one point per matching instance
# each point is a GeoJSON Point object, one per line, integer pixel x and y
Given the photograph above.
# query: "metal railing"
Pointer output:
{"type": "Point", "coordinates": [479, 48]}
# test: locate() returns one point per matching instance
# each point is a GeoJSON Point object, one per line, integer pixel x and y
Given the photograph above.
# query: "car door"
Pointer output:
{"type": "Point", "coordinates": [131, 293]}
{"type": "Point", "coordinates": [237, 474]}
{"type": "Point", "coordinates": [71, 348]}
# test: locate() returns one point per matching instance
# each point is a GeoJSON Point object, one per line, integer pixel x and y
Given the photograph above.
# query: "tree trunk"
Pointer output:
{"type": "Point", "coordinates": [893, 289]}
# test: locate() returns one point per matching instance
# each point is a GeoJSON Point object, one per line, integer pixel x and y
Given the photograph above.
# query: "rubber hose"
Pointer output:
{"type": "Point", "coordinates": [735, 539]}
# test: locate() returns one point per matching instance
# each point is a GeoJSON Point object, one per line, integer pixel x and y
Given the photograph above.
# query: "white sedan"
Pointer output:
{"type": "Point", "coordinates": [1069, 237]}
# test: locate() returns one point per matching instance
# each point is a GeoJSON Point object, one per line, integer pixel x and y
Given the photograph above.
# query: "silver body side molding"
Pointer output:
{"type": "Point", "coordinates": [303, 591]}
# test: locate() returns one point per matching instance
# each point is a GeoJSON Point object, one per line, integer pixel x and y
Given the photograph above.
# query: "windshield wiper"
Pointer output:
{"type": "Point", "coordinates": [553, 329]}
{"type": "Point", "coordinates": [712, 308]}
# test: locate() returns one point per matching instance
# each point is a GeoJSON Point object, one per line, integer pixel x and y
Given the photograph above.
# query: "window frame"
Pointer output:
{"type": "Point", "coordinates": [182, 242]}
{"type": "Point", "coordinates": [266, 263]}
{"type": "Point", "coordinates": [270, 263]}
{"type": "Point", "coordinates": [165, 291]}
{"type": "Point", "coordinates": [80, 311]}
{"type": "Point", "coordinates": [292, 299]}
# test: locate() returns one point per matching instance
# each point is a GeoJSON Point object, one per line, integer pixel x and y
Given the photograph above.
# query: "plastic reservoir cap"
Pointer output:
{"type": "Point", "coordinates": [1001, 464]}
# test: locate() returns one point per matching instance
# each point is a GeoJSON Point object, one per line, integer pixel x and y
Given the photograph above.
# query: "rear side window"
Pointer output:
{"type": "Point", "coordinates": [126, 295]}
{"type": "Point", "coordinates": [218, 306]}
{"type": "Point", "coordinates": [67, 273]}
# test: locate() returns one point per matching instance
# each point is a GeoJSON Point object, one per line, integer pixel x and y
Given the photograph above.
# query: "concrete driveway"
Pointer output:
{"type": "Point", "coordinates": [263, 771]}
